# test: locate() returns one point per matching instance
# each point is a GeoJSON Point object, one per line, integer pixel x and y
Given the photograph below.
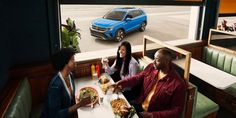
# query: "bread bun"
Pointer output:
{"type": "Point", "coordinates": [103, 80]}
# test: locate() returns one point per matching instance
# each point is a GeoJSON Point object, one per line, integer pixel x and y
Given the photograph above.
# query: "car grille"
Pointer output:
{"type": "Point", "coordinates": [98, 34]}
{"type": "Point", "coordinates": [98, 28]}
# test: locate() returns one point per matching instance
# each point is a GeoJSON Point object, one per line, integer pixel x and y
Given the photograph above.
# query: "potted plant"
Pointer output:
{"type": "Point", "coordinates": [70, 35]}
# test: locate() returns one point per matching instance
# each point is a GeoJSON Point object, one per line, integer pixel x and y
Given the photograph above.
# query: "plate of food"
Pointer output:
{"type": "Point", "coordinates": [103, 79]}
{"type": "Point", "coordinates": [104, 82]}
{"type": "Point", "coordinates": [88, 92]}
{"type": "Point", "coordinates": [121, 108]}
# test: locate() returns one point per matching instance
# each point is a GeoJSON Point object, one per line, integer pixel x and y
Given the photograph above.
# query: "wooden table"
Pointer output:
{"type": "Point", "coordinates": [104, 110]}
{"type": "Point", "coordinates": [209, 74]}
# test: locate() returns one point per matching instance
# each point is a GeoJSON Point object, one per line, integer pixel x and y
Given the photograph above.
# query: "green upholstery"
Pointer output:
{"type": "Point", "coordinates": [204, 106]}
{"type": "Point", "coordinates": [214, 58]}
{"type": "Point", "coordinates": [21, 106]}
{"type": "Point", "coordinates": [220, 61]}
{"type": "Point", "coordinates": [233, 67]}
{"type": "Point", "coordinates": [208, 54]}
{"type": "Point", "coordinates": [227, 63]}
{"type": "Point", "coordinates": [22, 102]}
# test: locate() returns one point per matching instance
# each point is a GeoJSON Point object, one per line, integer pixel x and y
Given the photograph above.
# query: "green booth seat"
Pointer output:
{"type": "Point", "coordinates": [223, 61]}
{"type": "Point", "coordinates": [204, 106]}
{"type": "Point", "coordinates": [21, 105]}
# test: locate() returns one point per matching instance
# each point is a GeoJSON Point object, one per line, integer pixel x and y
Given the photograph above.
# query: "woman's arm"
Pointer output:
{"type": "Point", "coordinates": [110, 70]}
{"type": "Point", "coordinates": [133, 69]}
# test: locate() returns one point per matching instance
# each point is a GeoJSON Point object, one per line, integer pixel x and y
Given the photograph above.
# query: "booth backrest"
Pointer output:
{"type": "Point", "coordinates": [21, 104]}
{"type": "Point", "coordinates": [220, 59]}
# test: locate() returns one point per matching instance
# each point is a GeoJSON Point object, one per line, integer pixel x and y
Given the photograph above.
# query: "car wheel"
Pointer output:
{"type": "Point", "coordinates": [143, 27]}
{"type": "Point", "coordinates": [119, 35]}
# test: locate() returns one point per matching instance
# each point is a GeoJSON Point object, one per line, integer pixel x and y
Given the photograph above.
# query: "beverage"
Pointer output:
{"type": "Point", "coordinates": [105, 62]}
{"type": "Point", "coordinates": [98, 70]}
{"type": "Point", "coordinates": [92, 71]}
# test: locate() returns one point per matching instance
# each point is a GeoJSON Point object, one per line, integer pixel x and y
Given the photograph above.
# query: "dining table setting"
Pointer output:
{"type": "Point", "coordinates": [104, 102]}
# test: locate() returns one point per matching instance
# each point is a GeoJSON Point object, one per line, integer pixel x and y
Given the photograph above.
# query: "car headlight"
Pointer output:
{"type": "Point", "coordinates": [110, 28]}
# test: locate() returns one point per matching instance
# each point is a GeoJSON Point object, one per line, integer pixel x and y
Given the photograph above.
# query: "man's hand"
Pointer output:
{"type": "Point", "coordinates": [146, 115]}
{"type": "Point", "coordinates": [115, 88]}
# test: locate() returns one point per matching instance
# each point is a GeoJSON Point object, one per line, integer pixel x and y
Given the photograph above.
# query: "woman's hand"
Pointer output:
{"type": "Point", "coordinates": [115, 88]}
{"type": "Point", "coordinates": [81, 103]}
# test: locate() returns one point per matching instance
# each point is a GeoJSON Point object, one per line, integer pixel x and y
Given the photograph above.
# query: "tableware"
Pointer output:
{"type": "Point", "coordinates": [91, 92]}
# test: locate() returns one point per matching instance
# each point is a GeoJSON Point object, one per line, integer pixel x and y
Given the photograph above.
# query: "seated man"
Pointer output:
{"type": "Point", "coordinates": [163, 91]}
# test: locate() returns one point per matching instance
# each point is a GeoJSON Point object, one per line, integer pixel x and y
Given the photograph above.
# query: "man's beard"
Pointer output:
{"type": "Point", "coordinates": [158, 67]}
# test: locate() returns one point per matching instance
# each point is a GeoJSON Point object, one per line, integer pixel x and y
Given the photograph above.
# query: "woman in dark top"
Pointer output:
{"type": "Point", "coordinates": [60, 101]}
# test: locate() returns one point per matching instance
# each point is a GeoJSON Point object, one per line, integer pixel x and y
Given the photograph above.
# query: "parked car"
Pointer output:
{"type": "Point", "coordinates": [117, 22]}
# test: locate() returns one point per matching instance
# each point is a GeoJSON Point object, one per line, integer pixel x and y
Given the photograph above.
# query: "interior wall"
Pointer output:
{"type": "Point", "coordinates": [227, 7]}
{"type": "Point", "coordinates": [28, 38]}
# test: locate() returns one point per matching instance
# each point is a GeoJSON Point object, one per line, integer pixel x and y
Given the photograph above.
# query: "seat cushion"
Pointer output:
{"type": "Point", "coordinates": [214, 58]}
{"type": "Point", "coordinates": [22, 102]}
{"type": "Point", "coordinates": [221, 60]}
{"type": "Point", "coordinates": [208, 54]}
{"type": "Point", "coordinates": [233, 67]}
{"type": "Point", "coordinates": [227, 63]}
{"type": "Point", "coordinates": [204, 106]}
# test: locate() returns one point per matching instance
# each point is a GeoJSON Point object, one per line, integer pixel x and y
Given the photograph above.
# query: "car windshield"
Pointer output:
{"type": "Point", "coordinates": [115, 15]}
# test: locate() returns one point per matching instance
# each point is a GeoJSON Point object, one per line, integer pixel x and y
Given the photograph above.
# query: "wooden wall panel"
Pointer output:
{"type": "Point", "coordinates": [195, 48]}
{"type": "Point", "coordinates": [39, 76]}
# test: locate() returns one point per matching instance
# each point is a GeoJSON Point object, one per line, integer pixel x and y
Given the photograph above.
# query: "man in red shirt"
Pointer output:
{"type": "Point", "coordinates": [163, 90]}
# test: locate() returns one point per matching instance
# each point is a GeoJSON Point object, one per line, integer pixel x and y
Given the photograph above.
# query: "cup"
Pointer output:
{"type": "Point", "coordinates": [109, 94]}
{"type": "Point", "coordinates": [95, 75]}
{"type": "Point", "coordinates": [104, 62]}
{"type": "Point", "coordinates": [101, 100]}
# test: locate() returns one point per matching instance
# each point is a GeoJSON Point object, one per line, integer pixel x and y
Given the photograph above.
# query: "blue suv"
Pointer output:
{"type": "Point", "coordinates": [117, 22]}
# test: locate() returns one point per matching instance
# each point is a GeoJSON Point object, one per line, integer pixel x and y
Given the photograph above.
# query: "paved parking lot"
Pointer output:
{"type": "Point", "coordinates": [164, 23]}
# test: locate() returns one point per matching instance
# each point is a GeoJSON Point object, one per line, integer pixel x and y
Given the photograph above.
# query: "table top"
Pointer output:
{"type": "Point", "coordinates": [209, 74]}
{"type": "Point", "coordinates": [104, 110]}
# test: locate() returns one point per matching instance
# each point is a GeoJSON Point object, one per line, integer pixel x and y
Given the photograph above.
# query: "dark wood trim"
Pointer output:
{"type": "Point", "coordinates": [39, 76]}
{"type": "Point", "coordinates": [189, 102]}
{"type": "Point", "coordinates": [195, 48]}
{"type": "Point", "coordinates": [136, 2]}
{"type": "Point", "coordinates": [227, 14]}
{"type": "Point", "coordinates": [211, 115]}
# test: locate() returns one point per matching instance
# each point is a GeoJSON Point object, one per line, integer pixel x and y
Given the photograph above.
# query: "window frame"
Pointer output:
{"type": "Point", "coordinates": [149, 2]}
{"type": "Point", "coordinates": [136, 2]}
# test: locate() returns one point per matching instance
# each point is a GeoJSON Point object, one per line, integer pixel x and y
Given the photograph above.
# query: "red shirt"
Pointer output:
{"type": "Point", "coordinates": [169, 96]}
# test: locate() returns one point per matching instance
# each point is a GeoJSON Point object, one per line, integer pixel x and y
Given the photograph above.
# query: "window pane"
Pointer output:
{"type": "Point", "coordinates": [166, 23]}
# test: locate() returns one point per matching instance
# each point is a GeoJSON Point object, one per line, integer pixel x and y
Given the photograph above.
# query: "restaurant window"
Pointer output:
{"type": "Point", "coordinates": [167, 21]}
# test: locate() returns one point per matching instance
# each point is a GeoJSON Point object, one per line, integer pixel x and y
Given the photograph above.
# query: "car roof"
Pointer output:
{"type": "Point", "coordinates": [125, 9]}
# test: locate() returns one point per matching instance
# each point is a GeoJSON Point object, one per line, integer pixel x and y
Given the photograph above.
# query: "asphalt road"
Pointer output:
{"type": "Point", "coordinates": [164, 23]}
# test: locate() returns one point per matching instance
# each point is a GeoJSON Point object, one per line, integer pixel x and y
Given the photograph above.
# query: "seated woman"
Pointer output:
{"type": "Point", "coordinates": [60, 101]}
{"type": "Point", "coordinates": [124, 66]}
